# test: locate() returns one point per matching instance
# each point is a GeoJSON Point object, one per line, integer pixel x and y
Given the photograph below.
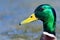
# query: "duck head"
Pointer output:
{"type": "Point", "coordinates": [45, 13]}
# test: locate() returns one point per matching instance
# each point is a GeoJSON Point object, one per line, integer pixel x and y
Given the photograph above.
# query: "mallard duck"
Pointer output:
{"type": "Point", "coordinates": [46, 13]}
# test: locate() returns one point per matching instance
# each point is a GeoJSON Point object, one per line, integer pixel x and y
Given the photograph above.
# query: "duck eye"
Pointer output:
{"type": "Point", "coordinates": [41, 9]}
{"type": "Point", "coordinates": [31, 16]}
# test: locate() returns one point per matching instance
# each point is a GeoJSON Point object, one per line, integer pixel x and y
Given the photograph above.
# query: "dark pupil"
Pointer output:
{"type": "Point", "coordinates": [31, 16]}
{"type": "Point", "coordinates": [41, 9]}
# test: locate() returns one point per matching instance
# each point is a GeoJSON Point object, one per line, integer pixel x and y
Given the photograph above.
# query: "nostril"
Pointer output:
{"type": "Point", "coordinates": [31, 16]}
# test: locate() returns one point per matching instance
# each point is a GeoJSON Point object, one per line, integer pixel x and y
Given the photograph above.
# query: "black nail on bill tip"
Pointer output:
{"type": "Point", "coordinates": [19, 23]}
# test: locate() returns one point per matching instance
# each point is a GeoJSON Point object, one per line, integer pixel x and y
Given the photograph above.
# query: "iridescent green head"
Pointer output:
{"type": "Point", "coordinates": [47, 14]}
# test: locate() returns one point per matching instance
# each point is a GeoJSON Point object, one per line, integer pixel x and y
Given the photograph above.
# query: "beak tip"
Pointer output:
{"type": "Point", "coordinates": [19, 23]}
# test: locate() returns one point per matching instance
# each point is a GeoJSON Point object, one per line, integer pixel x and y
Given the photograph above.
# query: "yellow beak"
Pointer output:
{"type": "Point", "coordinates": [29, 19]}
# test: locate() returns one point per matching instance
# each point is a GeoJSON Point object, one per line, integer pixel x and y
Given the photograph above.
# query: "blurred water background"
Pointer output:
{"type": "Point", "coordinates": [12, 12]}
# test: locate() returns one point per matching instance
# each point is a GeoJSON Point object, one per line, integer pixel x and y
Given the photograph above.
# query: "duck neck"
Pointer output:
{"type": "Point", "coordinates": [49, 27]}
